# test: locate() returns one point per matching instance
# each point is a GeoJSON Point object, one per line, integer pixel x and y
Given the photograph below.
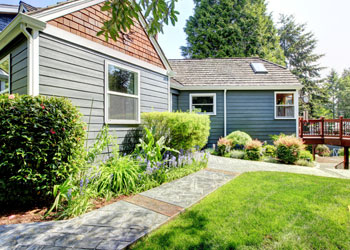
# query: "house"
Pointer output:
{"type": "Point", "coordinates": [248, 94]}
{"type": "Point", "coordinates": [54, 51]}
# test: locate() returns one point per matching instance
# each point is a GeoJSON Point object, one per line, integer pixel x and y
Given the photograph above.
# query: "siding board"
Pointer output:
{"type": "Point", "coordinates": [19, 69]}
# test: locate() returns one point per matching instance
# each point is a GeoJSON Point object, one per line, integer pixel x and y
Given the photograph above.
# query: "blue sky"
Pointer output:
{"type": "Point", "coordinates": [328, 19]}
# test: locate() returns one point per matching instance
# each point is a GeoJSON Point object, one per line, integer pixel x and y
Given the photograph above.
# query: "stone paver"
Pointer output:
{"type": "Point", "coordinates": [120, 224]}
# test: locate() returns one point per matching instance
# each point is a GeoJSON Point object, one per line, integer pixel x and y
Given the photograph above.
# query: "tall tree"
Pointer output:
{"type": "Point", "coordinates": [344, 94]}
{"type": "Point", "coordinates": [232, 28]}
{"type": "Point", "coordinates": [332, 86]}
{"type": "Point", "coordinates": [299, 46]}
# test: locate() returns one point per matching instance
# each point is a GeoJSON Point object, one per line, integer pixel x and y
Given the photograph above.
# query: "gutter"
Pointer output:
{"type": "Point", "coordinates": [225, 113]}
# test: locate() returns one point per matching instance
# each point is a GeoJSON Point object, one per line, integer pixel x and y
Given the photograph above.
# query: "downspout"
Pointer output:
{"type": "Point", "coordinates": [29, 59]}
{"type": "Point", "coordinates": [225, 116]}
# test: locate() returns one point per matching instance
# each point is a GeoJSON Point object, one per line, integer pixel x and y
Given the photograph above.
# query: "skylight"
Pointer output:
{"type": "Point", "coordinates": [259, 68]}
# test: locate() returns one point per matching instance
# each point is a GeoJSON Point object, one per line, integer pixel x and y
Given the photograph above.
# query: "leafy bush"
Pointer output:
{"type": "Point", "coordinates": [41, 144]}
{"type": "Point", "coordinates": [253, 150]}
{"type": "Point", "coordinates": [237, 154]}
{"type": "Point", "coordinates": [288, 149]}
{"type": "Point", "coordinates": [304, 163]}
{"type": "Point", "coordinates": [224, 146]}
{"type": "Point", "coordinates": [269, 150]}
{"type": "Point", "coordinates": [306, 155]}
{"type": "Point", "coordinates": [341, 152]}
{"type": "Point", "coordinates": [239, 138]}
{"type": "Point", "coordinates": [323, 150]}
{"type": "Point", "coordinates": [180, 130]}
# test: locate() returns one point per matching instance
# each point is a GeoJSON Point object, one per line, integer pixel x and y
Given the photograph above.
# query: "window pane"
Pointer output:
{"type": "Point", "coordinates": [285, 99]}
{"type": "Point", "coordinates": [203, 108]}
{"type": "Point", "coordinates": [4, 75]}
{"type": "Point", "coordinates": [122, 108]}
{"type": "Point", "coordinates": [121, 80]}
{"type": "Point", "coordinates": [202, 99]}
{"type": "Point", "coordinates": [285, 112]}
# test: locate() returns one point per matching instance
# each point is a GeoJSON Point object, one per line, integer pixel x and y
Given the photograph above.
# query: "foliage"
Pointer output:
{"type": "Point", "coordinates": [305, 163]}
{"type": "Point", "coordinates": [232, 28]}
{"type": "Point", "coordinates": [253, 150]}
{"type": "Point", "coordinates": [341, 152]}
{"type": "Point", "coordinates": [288, 149]}
{"type": "Point", "coordinates": [306, 155]}
{"type": "Point", "coordinates": [323, 150]}
{"type": "Point", "coordinates": [269, 150]}
{"type": "Point", "coordinates": [180, 130]}
{"type": "Point", "coordinates": [224, 146]}
{"type": "Point", "coordinates": [299, 49]}
{"type": "Point", "coordinates": [239, 138]}
{"type": "Point", "coordinates": [124, 13]}
{"type": "Point", "coordinates": [237, 154]}
{"type": "Point", "coordinates": [41, 144]}
{"type": "Point", "coordinates": [257, 206]}
{"type": "Point", "coordinates": [277, 136]}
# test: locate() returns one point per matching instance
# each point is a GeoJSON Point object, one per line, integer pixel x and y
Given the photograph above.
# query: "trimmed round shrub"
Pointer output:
{"type": "Point", "coordinates": [269, 150]}
{"type": "Point", "coordinates": [253, 150]}
{"type": "Point", "coordinates": [323, 150]}
{"type": "Point", "coordinates": [41, 144]}
{"type": "Point", "coordinates": [224, 146]}
{"type": "Point", "coordinates": [181, 130]}
{"type": "Point", "coordinates": [239, 138]}
{"type": "Point", "coordinates": [288, 149]}
{"type": "Point", "coordinates": [306, 155]}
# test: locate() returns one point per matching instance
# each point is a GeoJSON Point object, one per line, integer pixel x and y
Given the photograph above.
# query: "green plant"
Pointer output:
{"type": "Point", "coordinates": [341, 152]}
{"type": "Point", "coordinates": [41, 144]}
{"type": "Point", "coordinates": [237, 154]}
{"type": "Point", "coordinates": [239, 138]}
{"type": "Point", "coordinates": [323, 150]}
{"type": "Point", "coordinates": [288, 149]}
{"type": "Point", "coordinates": [224, 146]}
{"type": "Point", "coordinates": [269, 150]}
{"type": "Point", "coordinates": [305, 155]}
{"type": "Point", "coordinates": [180, 130]}
{"type": "Point", "coordinates": [305, 163]}
{"type": "Point", "coordinates": [276, 137]}
{"type": "Point", "coordinates": [253, 150]}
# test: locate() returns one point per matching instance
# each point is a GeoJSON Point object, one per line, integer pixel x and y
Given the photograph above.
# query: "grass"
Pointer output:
{"type": "Point", "coordinates": [263, 211]}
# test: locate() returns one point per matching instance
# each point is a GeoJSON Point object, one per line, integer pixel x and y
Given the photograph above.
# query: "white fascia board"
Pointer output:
{"type": "Point", "coordinates": [227, 87]}
{"type": "Point", "coordinates": [13, 29]}
{"type": "Point", "coordinates": [9, 9]}
{"type": "Point", "coordinates": [65, 9]}
{"type": "Point", "coordinates": [70, 37]}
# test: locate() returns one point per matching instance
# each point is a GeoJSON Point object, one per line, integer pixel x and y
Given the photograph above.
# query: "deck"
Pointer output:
{"type": "Point", "coordinates": [327, 131]}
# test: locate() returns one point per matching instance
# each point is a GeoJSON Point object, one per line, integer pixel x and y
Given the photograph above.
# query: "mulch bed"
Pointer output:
{"type": "Point", "coordinates": [37, 214]}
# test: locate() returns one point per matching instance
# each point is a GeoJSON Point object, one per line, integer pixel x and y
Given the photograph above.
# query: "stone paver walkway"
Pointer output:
{"type": "Point", "coordinates": [120, 224]}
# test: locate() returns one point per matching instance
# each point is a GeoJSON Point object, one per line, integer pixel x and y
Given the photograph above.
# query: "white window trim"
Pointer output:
{"type": "Point", "coordinates": [107, 92]}
{"type": "Point", "coordinates": [9, 73]}
{"type": "Point", "coordinates": [295, 105]}
{"type": "Point", "coordinates": [204, 95]}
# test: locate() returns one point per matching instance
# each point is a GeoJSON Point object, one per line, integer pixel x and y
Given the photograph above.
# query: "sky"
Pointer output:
{"type": "Point", "coordinates": [328, 19]}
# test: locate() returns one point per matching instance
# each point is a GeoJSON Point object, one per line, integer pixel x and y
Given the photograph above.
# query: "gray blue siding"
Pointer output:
{"type": "Point", "coordinates": [19, 69]}
{"type": "Point", "coordinates": [248, 111]}
{"type": "Point", "coordinates": [174, 102]}
{"type": "Point", "coordinates": [77, 73]}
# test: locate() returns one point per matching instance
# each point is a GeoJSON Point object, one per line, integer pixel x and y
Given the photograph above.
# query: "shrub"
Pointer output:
{"type": "Point", "coordinates": [269, 150]}
{"type": "Point", "coordinates": [239, 138]}
{"type": "Point", "coordinates": [41, 144]}
{"type": "Point", "coordinates": [237, 154]}
{"type": "Point", "coordinates": [341, 152]}
{"type": "Point", "coordinates": [253, 150]}
{"type": "Point", "coordinates": [304, 163]}
{"type": "Point", "coordinates": [180, 130]}
{"type": "Point", "coordinates": [224, 146]}
{"type": "Point", "coordinates": [288, 149]}
{"type": "Point", "coordinates": [306, 155]}
{"type": "Point", "coordinates": [323, 150]}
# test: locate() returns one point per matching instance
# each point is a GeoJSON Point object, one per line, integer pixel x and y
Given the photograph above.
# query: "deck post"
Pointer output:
{"type": "Point", "coordinates": [346, 157]}
{"type": "Point", "coordinates": [301, 127]}
{"type": "Point", "coordinates": [340, 128]}
{"type": "Point", "coordinates": [314, 151]}
{"type": "Point", "coordinates": [322, 127]}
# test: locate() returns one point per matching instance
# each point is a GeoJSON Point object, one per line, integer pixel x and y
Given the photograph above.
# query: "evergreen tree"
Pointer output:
{"type": "Point", "coordinates": [232, 28]}
{"type": "Point", "coordinates": [299, 49]}
{"type": "Point", "coordinates": [344, 94]}
{"type": "Point", "coordinates": [333, 92]}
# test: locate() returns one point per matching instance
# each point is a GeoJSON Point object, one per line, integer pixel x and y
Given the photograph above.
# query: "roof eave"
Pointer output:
{"type": "Point", "coordinates": [236, 87]}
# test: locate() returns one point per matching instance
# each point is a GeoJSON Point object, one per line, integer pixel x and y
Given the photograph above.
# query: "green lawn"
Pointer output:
{"type": "Point", "coordinates": [263, 211]}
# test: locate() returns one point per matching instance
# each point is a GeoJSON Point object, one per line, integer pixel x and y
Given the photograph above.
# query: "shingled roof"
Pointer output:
{"type": "Point", "coordinates": [230, 72]}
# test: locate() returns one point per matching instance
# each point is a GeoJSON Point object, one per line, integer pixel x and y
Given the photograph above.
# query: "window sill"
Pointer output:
{"type": "Point", "coordinates": [285, 118]}
{"type": "Point", "coordinates": [123, 122]}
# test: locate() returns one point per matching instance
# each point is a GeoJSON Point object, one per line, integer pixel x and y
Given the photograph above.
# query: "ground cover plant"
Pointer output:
{"type": "Point", "coordinates": [263, 211]}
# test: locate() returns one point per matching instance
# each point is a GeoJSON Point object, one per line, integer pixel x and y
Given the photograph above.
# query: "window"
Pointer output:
{"type": "Point", "coordinates": [122, 94]}
{"type": "Point", "coordinates": [285, 105]}
{"type": "Point", "coordinates": [203, 103]}
{"type": "Point", "coordinates": [5, 75]}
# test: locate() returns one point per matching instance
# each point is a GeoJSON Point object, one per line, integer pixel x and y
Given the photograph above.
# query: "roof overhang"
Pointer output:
{"type": "Point", "coordinates": [235, 87]}
{"type": "Point", "coordinates": [14, 28]}
{"type": "Point", "coordinates": [8, 9]}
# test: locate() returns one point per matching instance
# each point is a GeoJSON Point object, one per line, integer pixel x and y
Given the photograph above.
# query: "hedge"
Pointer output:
{"type": "Point", "coordinates": [181, 130]}
{"type": "Point", "coordinates": [41, 144]}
